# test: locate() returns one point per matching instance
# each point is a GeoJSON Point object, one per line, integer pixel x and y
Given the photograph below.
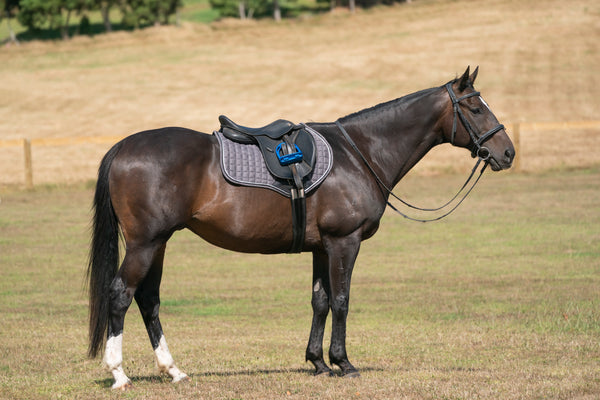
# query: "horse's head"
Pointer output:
{"type": "Point", "coordinates": [470, 123]}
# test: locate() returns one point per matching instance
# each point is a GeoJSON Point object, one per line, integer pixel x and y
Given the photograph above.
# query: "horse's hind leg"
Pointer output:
{"type": "Point", "coordinates": [320, 305]}
{"type": "Point", "coordinates": [136, 265]}
{"type": "Point", "coordinates": [148, 300]}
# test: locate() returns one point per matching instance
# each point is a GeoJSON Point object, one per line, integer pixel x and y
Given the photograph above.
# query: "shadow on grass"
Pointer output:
{"type": "Point", "coordinates": [107, 383]}
{"type": "Point", "coordinates": [255, 372]}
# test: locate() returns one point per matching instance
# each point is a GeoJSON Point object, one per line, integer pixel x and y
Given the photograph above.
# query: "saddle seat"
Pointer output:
{"type": "Point", "coordinates": [243, 134]}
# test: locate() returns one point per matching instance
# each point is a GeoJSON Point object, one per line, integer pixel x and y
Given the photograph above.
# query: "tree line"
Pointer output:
{"type": "Point", "coordinates": [37, 15]}
{"type": "Point", "coordinates": [288, 8]}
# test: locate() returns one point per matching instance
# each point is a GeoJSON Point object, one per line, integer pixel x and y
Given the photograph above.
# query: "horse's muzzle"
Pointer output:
{"type": "Point", "coordinates": [504, 161]}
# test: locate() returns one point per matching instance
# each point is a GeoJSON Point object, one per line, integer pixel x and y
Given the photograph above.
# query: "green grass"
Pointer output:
{"type": "Point", "coordinates": [198, 11]}
{"type": "Point", "coordinates": [500, 300]}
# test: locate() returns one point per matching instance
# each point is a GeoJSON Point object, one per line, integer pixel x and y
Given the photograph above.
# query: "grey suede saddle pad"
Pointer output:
{"type": "Point", "coordinates": [243, 164]}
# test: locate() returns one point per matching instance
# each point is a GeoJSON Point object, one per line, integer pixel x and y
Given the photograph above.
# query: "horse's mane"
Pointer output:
{"type": "Point", "coordinates": [393, 103]}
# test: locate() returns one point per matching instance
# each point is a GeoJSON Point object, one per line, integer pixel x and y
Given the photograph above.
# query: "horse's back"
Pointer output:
{"type": "Point", "coordinates": [161, 142]}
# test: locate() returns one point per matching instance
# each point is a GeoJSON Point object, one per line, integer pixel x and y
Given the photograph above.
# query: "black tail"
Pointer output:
{"type": "Point", "coordinates": [104, 255]}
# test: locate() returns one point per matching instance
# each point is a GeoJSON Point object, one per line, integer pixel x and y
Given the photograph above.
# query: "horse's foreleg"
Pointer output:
{"type": "Point", "coordinates": [148, 299]}
{"type": "Point", "coordinates": [342, 255]}
{"type": "Point", "coordinates": [320, 306]}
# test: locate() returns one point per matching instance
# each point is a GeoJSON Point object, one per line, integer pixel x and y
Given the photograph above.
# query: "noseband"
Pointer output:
{"type": "Point", "coordinates": [480, 151]}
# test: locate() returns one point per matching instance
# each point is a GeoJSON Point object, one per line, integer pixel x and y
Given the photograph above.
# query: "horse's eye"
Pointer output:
{"type": "Point", "coordinates": [476, 110]}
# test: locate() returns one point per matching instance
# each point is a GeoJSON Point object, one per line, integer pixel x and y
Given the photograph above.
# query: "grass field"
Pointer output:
{"type": "Point", "coordinates": [499, 301]}
{"type": "Point", "coordinates": [538, 62]}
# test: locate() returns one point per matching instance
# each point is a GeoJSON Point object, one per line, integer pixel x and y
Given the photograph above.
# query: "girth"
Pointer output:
{"type": "Point", "coordinates": [289, 154]}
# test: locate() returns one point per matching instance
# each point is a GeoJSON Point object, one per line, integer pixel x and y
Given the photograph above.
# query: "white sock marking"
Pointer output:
{"type": "Point", "coordinates": [165, 362]}
{"type": "Point", "coordinates": [113, 358]}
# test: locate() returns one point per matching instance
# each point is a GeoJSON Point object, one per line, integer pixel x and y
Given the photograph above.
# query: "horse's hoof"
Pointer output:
{"type": "Point", "coordinates": [352, 374]}
{"type": "Point", "coordinates": [324, 374]}
{"type": "Point", "coordinates": [185, 380]}
{"type": "Point", "coordinates": [124, 387]}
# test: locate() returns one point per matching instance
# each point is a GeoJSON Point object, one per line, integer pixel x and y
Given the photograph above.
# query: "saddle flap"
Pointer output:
{"type": "Point", "coordinates": [305, 143]}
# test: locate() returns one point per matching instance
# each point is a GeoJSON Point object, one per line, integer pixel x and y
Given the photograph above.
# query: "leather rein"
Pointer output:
{"type": "Point", "coordinates": [482, 153]}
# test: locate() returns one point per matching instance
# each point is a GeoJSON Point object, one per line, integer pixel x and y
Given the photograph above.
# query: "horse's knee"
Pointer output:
{"type": "Point", "coordinates": [339, 306]}
{"type": "Point", "coordinates": [320, 300]}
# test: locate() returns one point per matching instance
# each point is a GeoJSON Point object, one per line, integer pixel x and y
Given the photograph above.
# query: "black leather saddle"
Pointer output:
{"type": "Point", "coordinates": [243, 134]}
{"type": "Point", "coordinates": [281, 142]}
{"type": "Point", "coordinates": [290, 154]}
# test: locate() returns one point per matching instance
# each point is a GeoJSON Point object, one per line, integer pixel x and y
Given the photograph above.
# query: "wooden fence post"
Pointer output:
{"type": "Point", "coordinates": [28, 164]}
{"type": "Point", "coordinates": [517, 145]}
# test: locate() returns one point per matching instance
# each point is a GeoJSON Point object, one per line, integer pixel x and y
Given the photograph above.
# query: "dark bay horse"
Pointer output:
{"type": "Point", "coordinates": [154, 183]}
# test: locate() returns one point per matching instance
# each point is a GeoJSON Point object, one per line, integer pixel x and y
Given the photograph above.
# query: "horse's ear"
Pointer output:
{"type": "Point", "coordinates": [463, 82]}
{"type": "Point", "coordinates": [474, 75]}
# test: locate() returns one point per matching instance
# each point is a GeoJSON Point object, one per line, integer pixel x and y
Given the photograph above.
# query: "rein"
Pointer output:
{"type": "Point", "coordinates": [482, 153]}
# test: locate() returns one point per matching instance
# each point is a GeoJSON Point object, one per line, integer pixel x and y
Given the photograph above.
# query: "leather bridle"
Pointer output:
{"type": "Point", "coordinates": [480, 151]}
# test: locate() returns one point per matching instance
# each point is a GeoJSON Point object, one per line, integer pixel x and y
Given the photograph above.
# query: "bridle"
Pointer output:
{"type": "Point", "coordinates": [482, 153]}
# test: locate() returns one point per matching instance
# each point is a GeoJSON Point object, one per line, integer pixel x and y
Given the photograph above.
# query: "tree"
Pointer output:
{"type": "Point", "coordinates": [276, 11]}
{"type": "Point", "coordinates": [105, 6]}
{"type": "Point", "coordinates": [54, 14]}
{"type": "Point", "coordinates": [146, 12]}
{"type": "Point", "coordinates": [7, 10]}
{"type": "Point", "coordinates": [243, 8]}
{"type": "Point", "coordinates": [163, 9]}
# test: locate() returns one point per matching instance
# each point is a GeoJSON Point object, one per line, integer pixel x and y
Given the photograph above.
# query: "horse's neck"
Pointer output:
{"type": "Point", "coordinates": [396, 135]}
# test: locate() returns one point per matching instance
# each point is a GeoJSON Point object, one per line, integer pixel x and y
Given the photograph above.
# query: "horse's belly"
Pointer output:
{"type": "Point", "coordinates": [247, 241]}
{"type": "Point", "coordinates": [247, 220]}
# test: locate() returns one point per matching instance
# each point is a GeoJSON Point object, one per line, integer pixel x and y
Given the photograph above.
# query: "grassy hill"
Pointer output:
{"type": "Point", "coordinates": [538, 62]}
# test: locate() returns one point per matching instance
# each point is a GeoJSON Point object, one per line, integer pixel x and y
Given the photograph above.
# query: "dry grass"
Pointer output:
{"type": "Point", "coordinates": [538, 59]}
{"type": "Point", "coordinates": [499, 301]}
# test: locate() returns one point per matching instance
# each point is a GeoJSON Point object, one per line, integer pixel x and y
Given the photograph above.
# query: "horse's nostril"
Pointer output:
{"type": "Point", "coordinates": [509, 153]}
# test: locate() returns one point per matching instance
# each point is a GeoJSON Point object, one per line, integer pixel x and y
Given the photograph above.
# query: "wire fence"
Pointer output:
{"type": "Point", "coordinates": [539, 146]}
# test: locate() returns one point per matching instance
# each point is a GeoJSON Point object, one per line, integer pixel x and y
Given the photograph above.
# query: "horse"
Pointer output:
{"type": "Point", "coordinates": [154, 183]}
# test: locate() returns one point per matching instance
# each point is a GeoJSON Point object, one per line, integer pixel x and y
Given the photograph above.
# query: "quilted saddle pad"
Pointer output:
{"type": "Point", "coordinates": [243, 164]}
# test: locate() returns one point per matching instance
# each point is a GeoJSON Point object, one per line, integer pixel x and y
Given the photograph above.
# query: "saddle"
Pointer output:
{"type": "Point", "coordinates": [289, 154]}
{"type": "Point", "coordinates": [282, 144]}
